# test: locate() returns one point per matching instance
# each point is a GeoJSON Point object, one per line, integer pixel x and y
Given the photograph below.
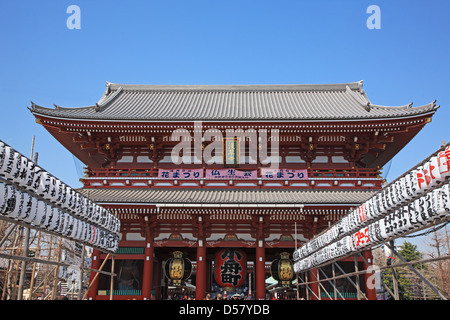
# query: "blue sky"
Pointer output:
{"type": "Point", "coordinates": [219, 42]}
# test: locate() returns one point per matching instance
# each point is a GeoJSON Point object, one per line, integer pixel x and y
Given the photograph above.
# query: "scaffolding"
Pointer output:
{"type": "Point", "coordinates": [394, 261]}
{"type": "Point", "coordinates": [41, 265]}
{"type": "Point", "coordinates": [317, 276]}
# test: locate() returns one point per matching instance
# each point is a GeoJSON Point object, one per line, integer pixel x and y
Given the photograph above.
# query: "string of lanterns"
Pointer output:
{"type": "Point", "coordinates": [407, 204]}
{"type": "Point", "coordinates": [31, 195]}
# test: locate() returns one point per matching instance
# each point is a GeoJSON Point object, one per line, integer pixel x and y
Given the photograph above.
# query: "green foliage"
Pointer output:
{"type": "Point", "coordinates": [409, 252]}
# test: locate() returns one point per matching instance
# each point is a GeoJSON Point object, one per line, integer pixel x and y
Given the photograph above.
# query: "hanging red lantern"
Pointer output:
{"type": "Point", "coordinates": [230, 267]}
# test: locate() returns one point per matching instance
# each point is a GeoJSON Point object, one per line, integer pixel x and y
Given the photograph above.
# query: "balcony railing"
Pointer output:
{"type": "Point", "coordinates": [357, 178]}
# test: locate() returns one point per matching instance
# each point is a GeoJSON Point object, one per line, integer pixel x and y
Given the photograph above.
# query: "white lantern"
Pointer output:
{"type": "Point", "coordinates": [11, 158]}
{"type": "Point", "coordinates": [68, 226]}
{"type": "Point", "coordinates": [434, 171]}
{"type": "Point", "coordinates": [362, 215]}
{"type": "Point", "coordinates": [48, 217]}
{"type": "Point", "coordinates": [20, 177]}
{"type": "Point", "coordinates": [361, 238]}
{"type": "Point", "coordinates": [404, 220]}
{"type": "Point", "coordinates": [3, 194]}
{"type": "Point", "coordinates": [30, 175]}
{"type": "Point", "coordinates": [59, 185]}
{"type": "Point", "coordinates": [55, 219]}
{"type": "Point", "coordinates": [438, 203]}
{"type": "Point", "coordinates": [67, 198]}
{"type": "Point", "coordinates": [431, 213]}
{"type": "Point", "coordinates": [18, 205]}
{"type": "Point", "coordinates": [415, 188]}
{"type": "Point", "coordinates": [73, 205]}
{"type": "Point", "coordinates": [383, 228]}
{"type": "Point", "coordinates": [444, 168]}
{"type": "Point", "coordinates": [398, 192]}
{"type": "Point", "coordinates": [10, 199]}
{"type": "Point", "coordinates": [421, 179]}
{"type": "Point", "coordinates": [25, 207]}
{"type": "Point", "coordinates": [44, 187]}
{"type": "Point", "coordinates": [2, 155]}
{"type": "Point", "coordinates": [74, 231]}
{"type": "Point", "coordinates": [375, 234]}
{"type": "Point", "coordinates": [41, 212]}
{"type": "Point", "coordinates": [419, 212]}
{"type": "Point", "coordinates": [31, 210]}
{"type": "Point", "coordinates": [445, 194]}
{"type": "Point", "coordinates": [53, 190]}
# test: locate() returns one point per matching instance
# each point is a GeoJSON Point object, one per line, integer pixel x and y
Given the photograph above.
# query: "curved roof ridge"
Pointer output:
{"type": "Point", "coordinates": [361, 99]}
{"type": "Point", "coordinates": [232, 87]}
{"type": "Point", "coordinates": [35, 106]}
{"type": "Point", "coordinates": [430, 105]}
{"type": "Point", "coordinates": [107, 99]}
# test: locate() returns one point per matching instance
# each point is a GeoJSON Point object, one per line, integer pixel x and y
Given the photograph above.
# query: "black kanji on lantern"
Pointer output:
{"type": "Point", "coordinates": [230, 270]}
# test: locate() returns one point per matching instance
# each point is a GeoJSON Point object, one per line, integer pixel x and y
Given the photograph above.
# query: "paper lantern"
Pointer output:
{"type": "Point", "coordinates": [44, 185]}
{"type": "Point", "coordinates": [48, 216]}
{"type": "Point", "coordinates": [41, 210]}
{"type": "Point", "coordinates": [53, 189]}
{"type": "Point", "coordinates": [55, 218]}
{"type": "Point", "coordinates": [30, 175]}
{"type": "Point", "coordinates": [67, 198]}
{"type": "Point", "coordinates": [31, 210]}
{"type": "Point", "coordinates": [434, 172]}
{"type": "Point", "coordinates": [445, 194]}
{"type": "Point", "coordinates": [73, 229]}
{"type": "Point", "coordinates": [68, 225]}
{"type": "Point", "coordinates": [374, 233]}
{"type": "Point", "coordinates": [361, 238]}
{"type": "Point", "coordinates": [431, 213]}
{"type": "Point", "coordinates": [370, 209]}
{"type": "Point", "coordinates": [20, 177]}
{"type": "Point", "coordinates": [11, 157]}
{"type": "Point", "coordinates": [178, 268]}
{"type": "Point", "coordinates": [362, 214]}
{"type": "Point", "coordinates": [10, 199]}
{"type": "Point", "coordinates": [419, 216]}
{"type": "Point", "coordinates": [444, 168]}
{"type": "Point", "coordinates": [26, 203]}
{"type": "Point", "coordinates": [421, 180]}
{"type": "Point", "coordinates": [3, 195]}
{"type": "Point", "coordinates": [3, 156]}
{"type": "Point", "coordinates": [438, 203]}
{"type": "Point", "coordinates": [230, 267]}
{"type": "Point", "coordinates": [14, 212]}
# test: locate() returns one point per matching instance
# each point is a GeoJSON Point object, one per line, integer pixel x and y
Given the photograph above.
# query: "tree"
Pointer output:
{"type": "Point", "coordinates": [439, 271]}
{"type": "Point", "coordinates": [406, 283]}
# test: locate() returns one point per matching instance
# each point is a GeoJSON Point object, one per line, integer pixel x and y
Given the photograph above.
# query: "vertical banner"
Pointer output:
{"type": "Point", "coordinates": [231, 154]}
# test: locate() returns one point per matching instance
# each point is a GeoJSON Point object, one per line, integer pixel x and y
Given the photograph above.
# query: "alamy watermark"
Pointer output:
{"type": "Point", "coordinates": [211, 147]}
{"type": "Point", "coordinates": [74, 20]}
{"type": "Point", "coordinates": [374, 20]}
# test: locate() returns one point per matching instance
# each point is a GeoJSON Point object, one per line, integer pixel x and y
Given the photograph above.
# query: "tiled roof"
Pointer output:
{"type": "Point", "coordinates": [233, 103]}
{"type": "Point", "coordinates": [190, 196]}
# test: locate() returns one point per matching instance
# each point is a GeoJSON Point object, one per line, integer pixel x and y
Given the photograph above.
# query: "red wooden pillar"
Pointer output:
{"type": "Point", "coordinates": [260, 277]}
{"type": "Point", "coordinates": [157, 278]}
{"type": "Point", "coordinates": [369, 277]}
{"type": "Point", "coordinates": [148, 265]}
{"type": "Point", "coordinates": [260, 260]}
{"type": "Point", "coordinates": [200, 283]}
{"type": "Point", "coordinates": [313, 276]}
{"type": "Point", "coordinates": [94, 265]}
{"type": "Point", "coordinates": [200, 276]}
